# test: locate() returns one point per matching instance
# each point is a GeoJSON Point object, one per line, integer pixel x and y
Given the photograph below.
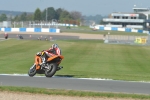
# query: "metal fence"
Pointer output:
{"type": "Point", "coordinates": [131, 39]}
{"type": "Point", "coordinates": [31, 24]}
{"type": "Point", "coordinates": [35, 24]}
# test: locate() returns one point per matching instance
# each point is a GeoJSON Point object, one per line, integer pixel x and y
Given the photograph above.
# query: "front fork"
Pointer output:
{"type": "Point", "coordinates": [38, 61]}
{"type": "Point", "coordinates": [32, 66]}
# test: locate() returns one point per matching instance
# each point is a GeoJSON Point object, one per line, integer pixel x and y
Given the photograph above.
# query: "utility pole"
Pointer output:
{"type": "Point", "coordinates": [46, 14]}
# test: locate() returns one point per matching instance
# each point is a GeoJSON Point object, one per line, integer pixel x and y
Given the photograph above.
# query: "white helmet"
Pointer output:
{"type": "Point", "coordinates": [54, 46]}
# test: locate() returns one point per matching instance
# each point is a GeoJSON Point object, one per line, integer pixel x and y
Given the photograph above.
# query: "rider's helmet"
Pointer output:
{"type": "Point", "coordinates": [54, 46]}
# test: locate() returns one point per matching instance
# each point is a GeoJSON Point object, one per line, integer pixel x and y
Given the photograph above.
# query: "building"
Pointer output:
{"type": "Point", "coordinates": [5, 24]}
{"type": "Point", "coordinates": [138, 19]}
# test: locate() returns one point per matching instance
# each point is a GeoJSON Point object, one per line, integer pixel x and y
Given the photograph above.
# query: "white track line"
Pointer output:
{"type": "Point", "coordinates": [15, 74]}
{"type": "Point", "coordinates": [26, 75]}
{"type": "Point", "coordinates": [3, 39]}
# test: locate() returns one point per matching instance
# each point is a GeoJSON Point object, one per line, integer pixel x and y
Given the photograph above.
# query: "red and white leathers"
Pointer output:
{"type": "Point", "coordinates": [54, 51]}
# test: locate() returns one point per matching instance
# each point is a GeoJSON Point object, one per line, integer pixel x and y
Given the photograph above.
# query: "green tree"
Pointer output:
{"type": "Point", "coordinates": [149, 16]}
{"type": "Point", "coordinates": [101, 21]}
{"type": "Point", "coordinates": [43, 14]}
{"type": "Point", "coordinates": [65, 16]}
{"type": "Point", "coordinates": [23, 16]}
{"type": "Point", "coordinates": [51, 13]}
{"type": "Point", "coordinates": [37, 15]}
{"type": "Point", "coordinates": [3, 17]}
{"type": "Point", "coordinates": [16, 18]}
{"type": "Point", "coordinates": [58, 13]}
{"type": "Point", "coordinates": [30, 17]}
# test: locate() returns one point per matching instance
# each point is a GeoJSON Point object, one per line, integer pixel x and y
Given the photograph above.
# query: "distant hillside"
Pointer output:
{"type": "Point", "coordinates": [12, 13]}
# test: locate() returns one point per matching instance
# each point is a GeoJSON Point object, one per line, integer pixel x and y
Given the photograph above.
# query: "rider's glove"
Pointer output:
{"type": "Point", "coordinates": [38, 53]}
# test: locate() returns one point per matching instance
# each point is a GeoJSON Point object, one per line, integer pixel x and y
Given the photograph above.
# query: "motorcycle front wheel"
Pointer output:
{"type": "Point", "coordinates": [32, 71]}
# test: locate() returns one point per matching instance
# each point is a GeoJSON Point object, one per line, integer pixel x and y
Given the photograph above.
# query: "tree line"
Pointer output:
{"type": "Point", "coordinates": [60, 15]}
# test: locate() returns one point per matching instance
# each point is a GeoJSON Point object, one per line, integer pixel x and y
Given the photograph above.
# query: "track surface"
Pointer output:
{"type": "Point", "coordinates": [76, 84]}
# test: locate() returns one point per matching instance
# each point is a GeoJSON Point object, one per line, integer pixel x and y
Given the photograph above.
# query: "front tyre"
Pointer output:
{"type": "Point", "coordinates": [32, 71]}
{"type": "Point", "coordinates": [51, 70]}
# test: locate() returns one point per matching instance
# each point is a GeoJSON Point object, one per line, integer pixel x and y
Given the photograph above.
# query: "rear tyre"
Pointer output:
{"type": "Point", "coordinates": [32, 71]}
{"type": "Point", "coordinates": [51, 70]}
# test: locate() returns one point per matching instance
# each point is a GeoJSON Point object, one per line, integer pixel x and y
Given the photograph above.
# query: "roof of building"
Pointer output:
{"type": "Point", "coordinates": [141, 8]}
{"type": "Point", "coordinates": [141, 13]}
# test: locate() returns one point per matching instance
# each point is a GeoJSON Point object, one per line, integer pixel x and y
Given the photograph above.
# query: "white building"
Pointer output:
{"type": "Point", "coordinates": [138, 19]}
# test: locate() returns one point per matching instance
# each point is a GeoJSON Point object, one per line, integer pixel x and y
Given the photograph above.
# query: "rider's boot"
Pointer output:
{"type": "Point", "coordinates": [59, 68]}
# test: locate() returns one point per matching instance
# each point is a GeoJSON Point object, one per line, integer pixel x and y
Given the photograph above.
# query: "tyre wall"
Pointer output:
{"type": "Point", "coordinates": [50, 30]}
{"type": "Point", "coordinates": [121, 29]}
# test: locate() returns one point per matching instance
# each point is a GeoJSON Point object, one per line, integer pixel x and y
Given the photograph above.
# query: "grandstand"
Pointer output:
{"type": "Point", "coordinates": [138, 19]}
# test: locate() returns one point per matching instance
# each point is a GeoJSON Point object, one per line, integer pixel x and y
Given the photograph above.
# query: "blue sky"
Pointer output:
{"type": "Point", "coordinates": [86, 7]}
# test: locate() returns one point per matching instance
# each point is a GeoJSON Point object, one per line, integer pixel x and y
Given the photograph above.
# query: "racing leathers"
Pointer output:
{"type": "Point", "coordinates": [50, 52]}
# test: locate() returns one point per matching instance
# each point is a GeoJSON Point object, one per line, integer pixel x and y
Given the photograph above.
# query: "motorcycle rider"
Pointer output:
{"type": "Point", "coordinates": [53, 50]}
{"type": "Point", "coordinates": [6, 35]}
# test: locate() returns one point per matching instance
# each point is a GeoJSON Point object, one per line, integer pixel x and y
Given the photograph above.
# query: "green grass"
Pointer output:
{"type": "Point", "coordinates": [74, 93]}
{"type": "Point", "coordinates": [83, 58]}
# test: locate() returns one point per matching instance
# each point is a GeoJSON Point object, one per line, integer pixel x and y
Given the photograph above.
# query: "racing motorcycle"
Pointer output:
{"type": "Point", "coordinates": [49, 68]}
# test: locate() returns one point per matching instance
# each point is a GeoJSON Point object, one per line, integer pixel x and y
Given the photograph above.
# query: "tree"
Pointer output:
{"type": "Point", "coordinates": [65, 16]}
{"type": "Point", "coordinates": [149, 16]}
{"type": "Point", "coordinates": [30, 17]}
{"type": "Point", "coordinates": [43, 15]}
{"type": "Point", "coordinates": [37, 14]}
{"type": "Point", "coordinates": [3, 17]}
{"type": "Point", "coordinates": [51, 13]}
{"type": "Point", "coordinates": [102, 22]}
{"type": "Point", "coordinates": [76, 15]}
{"type": "Point", "coordinates": [16, 18]}
{"type": "Point", "coordinates": [58, 13]}
{"type": "Point", "coordinates": [23, 16]}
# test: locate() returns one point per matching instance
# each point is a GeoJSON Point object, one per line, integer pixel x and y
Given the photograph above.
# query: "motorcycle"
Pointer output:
{"type": "Point", "coordinates": [49, 68]}
{"type": "Point", "coordinates": [6, 36]}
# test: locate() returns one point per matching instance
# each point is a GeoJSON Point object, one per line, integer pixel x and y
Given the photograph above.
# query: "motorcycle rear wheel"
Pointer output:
{"type": "Point", "coordinates": [32, 71]}
{"type": "Point", "coordinates": [51, 70]}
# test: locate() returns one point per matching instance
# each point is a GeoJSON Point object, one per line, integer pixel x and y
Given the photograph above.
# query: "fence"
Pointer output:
{"type": "Point", "coordinates": [121, 39]}
{"type": "Point", "coordinates": [36, 24]}
{"type": "Point", "coordinates": [98, 27]}
{"type": "Point", "coordinates": [52, 30]}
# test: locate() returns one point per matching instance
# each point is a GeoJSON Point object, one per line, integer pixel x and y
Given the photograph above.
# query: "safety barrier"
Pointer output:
{"type": "Point", "coordinates": [51, 30]}
{"type": "Point", "coordinates": [120, 29]}
{"type": "Point", "coordinates": [123, 29]}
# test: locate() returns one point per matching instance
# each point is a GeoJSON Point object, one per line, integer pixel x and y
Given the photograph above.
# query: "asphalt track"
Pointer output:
{"type": "Point", "coordinates": [41, 36]}
{"type": "Point", "coordinates": [76, 84]}
{"type": "Point", "coordinates": [81, 84]}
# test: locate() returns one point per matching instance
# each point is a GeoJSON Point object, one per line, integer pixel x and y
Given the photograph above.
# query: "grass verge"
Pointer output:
{"type": "Point", "coordinates": [73, 93]}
